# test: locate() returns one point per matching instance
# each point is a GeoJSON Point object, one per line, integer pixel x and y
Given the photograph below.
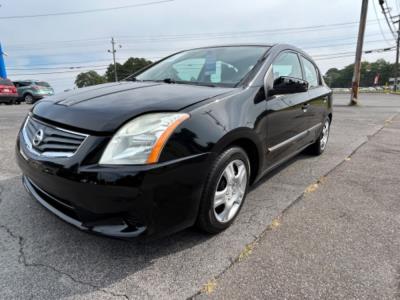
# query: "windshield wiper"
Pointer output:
{"type": "Point", "coordinates": [169, 80]}
{"type": "Point", "coordinates": [172, 81]}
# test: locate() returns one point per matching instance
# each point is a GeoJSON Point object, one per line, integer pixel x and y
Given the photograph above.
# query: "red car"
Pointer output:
{"type": "Point", "coordinates": [8, 92]}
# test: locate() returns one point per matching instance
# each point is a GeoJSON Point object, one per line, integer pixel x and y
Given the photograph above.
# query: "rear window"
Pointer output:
{"type": "Point", "coordinates": [6, 82]}
{"type": "Point", "coordinates": [42, 83]}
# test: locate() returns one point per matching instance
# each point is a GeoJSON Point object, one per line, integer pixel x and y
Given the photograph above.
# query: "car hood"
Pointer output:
{"type": "Point", "coordinates": [104, 108]}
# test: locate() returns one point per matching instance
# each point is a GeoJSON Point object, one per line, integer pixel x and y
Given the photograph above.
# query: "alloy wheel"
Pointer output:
{"type": "Point", "coordinates": [230, 191]}
{"type": "Point", "coordinates": [28, 99]}
{"type": "Point", "coordinates": [325, 135]}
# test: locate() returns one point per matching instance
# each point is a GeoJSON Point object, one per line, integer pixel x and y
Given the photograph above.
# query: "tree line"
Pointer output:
{"type": "Point", "coordinates": [342, 78]}
{"type": "Point", "coordinates": [132, 65]}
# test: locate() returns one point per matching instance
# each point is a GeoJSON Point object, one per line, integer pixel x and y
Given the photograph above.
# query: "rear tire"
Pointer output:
{"type": "Point", "coordinates": [28, 99]}
{"type": "Point", "coordinates": [225, 191]}
{"type": "Point", "coordinates": [320, 144]}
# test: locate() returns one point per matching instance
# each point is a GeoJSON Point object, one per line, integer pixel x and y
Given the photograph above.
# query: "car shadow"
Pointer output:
{"type": "Point", "coordinates": [278, 169]}
{"type": "Point", "coordinates": [103, 262]}
{"type": "Point", "coordinates": [47, 241]}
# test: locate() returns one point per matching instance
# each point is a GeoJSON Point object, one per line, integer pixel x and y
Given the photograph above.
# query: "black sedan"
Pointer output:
{"type": "Point", "coordinates": [177, 144]}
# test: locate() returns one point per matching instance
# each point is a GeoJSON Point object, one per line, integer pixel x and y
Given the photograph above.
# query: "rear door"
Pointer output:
{"type": "Point", "coordinates": [286, 121]}
{"type": "Point", "coordinates": [318, 95]}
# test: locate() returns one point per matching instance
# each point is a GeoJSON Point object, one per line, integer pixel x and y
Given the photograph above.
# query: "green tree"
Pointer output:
{"type": "Point", "coordinates": [342, 78]}
{"type": "Point", "coordinates": [331, 76]}
{"type": "Point", "coordinates": [89, 78]}
{"type": "Point", "coordinates": [109, 75]}
{"type": "Point", "coordinates": [132, 65]}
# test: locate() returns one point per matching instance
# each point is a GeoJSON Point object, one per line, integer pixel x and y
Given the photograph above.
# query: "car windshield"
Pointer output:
{"type": "Point", "coordinates": [42, 83]}
{"type": "Point", "coordinates": [219, 66]}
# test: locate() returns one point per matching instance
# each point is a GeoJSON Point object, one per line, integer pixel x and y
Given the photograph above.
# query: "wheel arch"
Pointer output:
{"type": "Point", "coordinates": [27, 93]}
{"type": "Point", "coordinates": [246, 139]}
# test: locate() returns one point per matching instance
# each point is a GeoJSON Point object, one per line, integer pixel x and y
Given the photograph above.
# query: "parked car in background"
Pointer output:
{"type": "Point", "coordinates": [8, 92]}
{"type": "Point", "coordinates": [31, 91]}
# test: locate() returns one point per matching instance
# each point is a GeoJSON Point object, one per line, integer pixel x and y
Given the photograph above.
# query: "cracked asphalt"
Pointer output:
{"type": "Point", "coordinates": [41, 257]}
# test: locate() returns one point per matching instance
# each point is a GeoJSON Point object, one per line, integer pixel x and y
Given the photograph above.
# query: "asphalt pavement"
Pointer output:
{"type": "Point", "coordinates": [41, 257]}
{"type": "Point", "coordinates": [340, 240]}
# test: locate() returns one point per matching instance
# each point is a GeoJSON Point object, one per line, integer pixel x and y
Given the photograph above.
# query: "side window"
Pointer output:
{"type": "Point", "coordinates": [287, 64]}
{"type": "Point", "coordinates": [189, 69]}
{"type": "Point", "coordinates": [310, 73]}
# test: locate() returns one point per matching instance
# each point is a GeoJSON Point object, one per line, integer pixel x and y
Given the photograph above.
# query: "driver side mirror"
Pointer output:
{"type": "Point", "coordinates": [288, 85]}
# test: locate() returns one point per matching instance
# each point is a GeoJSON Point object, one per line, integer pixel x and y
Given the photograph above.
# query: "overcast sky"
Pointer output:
{"type": "Point", "coordinates": [50, 44]}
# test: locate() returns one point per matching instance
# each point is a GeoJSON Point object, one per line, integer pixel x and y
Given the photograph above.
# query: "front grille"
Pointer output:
{"type": "Point", "coordinates": [47, 140]}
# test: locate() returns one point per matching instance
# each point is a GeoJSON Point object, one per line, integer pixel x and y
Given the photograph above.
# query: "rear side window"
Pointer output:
{"type": "Point", "coordinates": [42, 83]}
{"type": "Point", "coordinates": [22, 83]}
{"type": "Point", "coordinates": [287, 64]}
{"type": "Point", "coordinates": [310, 72]}
{"type": "Point", "coordinates": [6, 82]}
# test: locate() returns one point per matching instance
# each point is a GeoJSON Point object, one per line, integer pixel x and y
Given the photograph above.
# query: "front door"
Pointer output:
{"type": "Point", "coordinates": [287, 123]}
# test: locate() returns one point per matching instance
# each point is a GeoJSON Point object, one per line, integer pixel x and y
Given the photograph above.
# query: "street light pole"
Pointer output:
{"type": "Point", "coordinates": [357, 64]}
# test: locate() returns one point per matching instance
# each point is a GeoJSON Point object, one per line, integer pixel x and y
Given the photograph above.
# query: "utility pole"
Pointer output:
{"type": "Point", "coordinates": [396, 66]}
{"type": "Point", "coordinates": [113, 51]}
{"type": "Point", "coordinates": [357, 64]}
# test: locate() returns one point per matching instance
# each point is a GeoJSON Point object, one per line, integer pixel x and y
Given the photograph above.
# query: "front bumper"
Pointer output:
{"type": "Point", "coordinates": [117, 201]}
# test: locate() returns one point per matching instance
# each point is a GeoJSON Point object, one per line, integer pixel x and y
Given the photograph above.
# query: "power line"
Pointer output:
{"type": "Point", "coordinates": [384, 10]}
{"type": "Point", "coordinates": [208, 35]}
{"type": "Point", "coordinates": [317, 57]}
{"type": "Point", "coordinates": [61, 72]}
{"type": "Point", "coordinates": [172, 50]}
{"type": "Point", "coordinates": [63, 67]}
{"type": "Point", "coordinates": [85, 11]}
{"type": "Point", "coordinates": [78, 62]}
{"type": "Point", "coordinates": [379, 23]}
{"type": "Point", "coordinates": [57, 68]}
{"type": "Point", "coordinates": [351, 54]}
{"type": "Point", "coordinates": [169, 50]}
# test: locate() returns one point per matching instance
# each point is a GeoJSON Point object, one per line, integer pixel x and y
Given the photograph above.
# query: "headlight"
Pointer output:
{"type": "Point", "coordinates": [141, 140]}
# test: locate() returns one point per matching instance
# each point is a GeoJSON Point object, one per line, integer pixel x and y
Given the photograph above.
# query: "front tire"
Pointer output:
{"type": "Point", "coordinates": [225, 191]}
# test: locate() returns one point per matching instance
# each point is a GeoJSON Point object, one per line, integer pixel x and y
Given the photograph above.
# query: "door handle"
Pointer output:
{"type": "Point", "coordinates": [305, 106]}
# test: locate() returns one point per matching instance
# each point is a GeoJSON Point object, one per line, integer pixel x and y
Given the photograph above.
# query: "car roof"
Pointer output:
{"type": "Point", "coordinates": [29, 80]}
{"type": "Point", "coordinates": [272, 47]}
{"type": "Point", "coordinates": [230, 45]}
